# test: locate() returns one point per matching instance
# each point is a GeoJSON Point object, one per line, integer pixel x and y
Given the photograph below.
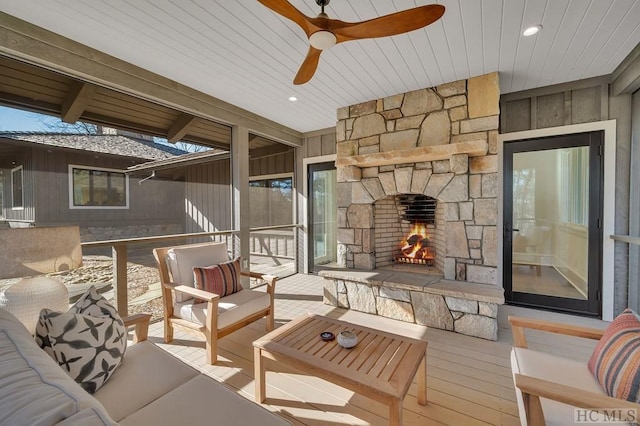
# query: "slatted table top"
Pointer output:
{"type": "Point", "coordinates": [384, 363]}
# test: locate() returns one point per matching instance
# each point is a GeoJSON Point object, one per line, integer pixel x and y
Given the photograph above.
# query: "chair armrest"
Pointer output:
{"type": "Point", "coordinates": [194, 292]}
{"type": "Point", "coordinates": [141, 323]}
{"type": "Point", "coordinates": [269, 279]}
{"type": "Point", "coordinates": [576, 397]}
{"type": "Point", "coordinates": [518, 324]}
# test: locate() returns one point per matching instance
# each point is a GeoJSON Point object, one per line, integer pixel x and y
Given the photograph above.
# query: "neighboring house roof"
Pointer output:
{"type": "Point", "coordinates": [184, 160]}
{"type": "Point", "coordinates": [105, 144]}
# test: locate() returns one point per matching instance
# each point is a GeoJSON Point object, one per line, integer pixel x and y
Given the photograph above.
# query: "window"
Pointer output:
{"type": "Point", "coordinates": [17, 192]}
{"type": "Point", "coordinates": [271, 201]}
{"type": "Point", "coordinates": [98, 188]}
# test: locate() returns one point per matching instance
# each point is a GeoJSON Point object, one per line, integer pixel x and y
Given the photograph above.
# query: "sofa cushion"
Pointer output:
{"type": "Point", "coordinates": [85, 417]}
{"type": "Point", "coordinates": [203, 401]}
{"type": "Point", "coordinates": [231, 309]}
{"type": "Point", "coordinates": [28, 375]}
{"type": "Point", "coordinates": [554, 369]}
{"type": "Point", "coordinates": [181, 261]}
{"type": "Point", "coordinates": [147, 372]}
{"type": "Point", "coordinates": [222, 279]}
{"type": "Point", "coordinates": [88, 342]}
{"type": "Point", "coordinates": [615, 361]}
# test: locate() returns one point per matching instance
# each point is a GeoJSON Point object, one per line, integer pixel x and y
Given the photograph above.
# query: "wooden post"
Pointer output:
{"type": "Point", "coordinates": [119, 255]}
{"type": "Point", "coordinates": [240, 181]}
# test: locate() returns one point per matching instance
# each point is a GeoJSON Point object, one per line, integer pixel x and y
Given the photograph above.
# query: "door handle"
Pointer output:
{"type": "Point", "coordinates": [508, 232]}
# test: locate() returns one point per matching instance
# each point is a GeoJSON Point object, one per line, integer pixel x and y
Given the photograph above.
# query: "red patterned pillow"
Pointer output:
{"type": "Point", "coordinates": [222, 279]}
{"type": "Point", "coordinates": [615, 361]}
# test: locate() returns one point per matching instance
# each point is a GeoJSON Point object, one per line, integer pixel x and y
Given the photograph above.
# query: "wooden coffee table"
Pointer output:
{"type": "Point", "coordinates": [381, 366]}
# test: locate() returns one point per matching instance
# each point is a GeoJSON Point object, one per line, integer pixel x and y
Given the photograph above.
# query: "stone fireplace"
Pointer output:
{"type": "Point", "coordinates": [439, 142]}
{"type": "Point", "coordinates": [438, 146]}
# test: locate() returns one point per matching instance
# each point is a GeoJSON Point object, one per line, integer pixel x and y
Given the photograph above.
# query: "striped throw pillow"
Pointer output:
{"type": "Point", "coordinates": [222, 279]}
{"type": "Point", "coordinates": [615, 361]}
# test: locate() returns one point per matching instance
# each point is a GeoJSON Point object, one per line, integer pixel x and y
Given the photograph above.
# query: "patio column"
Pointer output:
{"type": "Point", "coordinates": [240, 194]}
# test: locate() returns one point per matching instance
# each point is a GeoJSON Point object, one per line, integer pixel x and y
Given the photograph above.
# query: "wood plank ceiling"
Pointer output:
{"type": "Point", "coordinates": [244, 54]}
{"type": "Point", "coordinates": [28, 87]}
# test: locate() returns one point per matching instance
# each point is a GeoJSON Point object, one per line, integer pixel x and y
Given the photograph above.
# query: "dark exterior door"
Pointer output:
{"type": "Point", "coordinates": [323, 211]}
{"type": "Point", "coordinates": [553, 222]}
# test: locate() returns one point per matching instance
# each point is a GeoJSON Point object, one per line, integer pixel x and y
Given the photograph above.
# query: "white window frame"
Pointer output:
{"type": "Point", "coordinates": [100, 169]}
{"type": "Point", "coordinates": [15, 169]}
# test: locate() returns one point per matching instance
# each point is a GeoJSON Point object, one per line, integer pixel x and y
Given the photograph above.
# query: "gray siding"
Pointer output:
{"type": "Point", "coordinates": [153, 202]}
{"type": "Point", "coordinates": [208, 197]}
{"type": "Point", "coordinates": [272, 164]}
{"type": "Point", "coordinates": [577, 102]}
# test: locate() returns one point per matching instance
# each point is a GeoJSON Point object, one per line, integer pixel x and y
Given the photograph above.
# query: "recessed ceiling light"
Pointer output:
{"type": "Point", "coordinates": [293, 98]}
{"type": "Point", "coordinates": [532, 30]}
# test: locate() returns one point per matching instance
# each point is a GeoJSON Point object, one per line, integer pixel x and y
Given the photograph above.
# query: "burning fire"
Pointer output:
{"type": "Point", "coordinates": [416, 243]}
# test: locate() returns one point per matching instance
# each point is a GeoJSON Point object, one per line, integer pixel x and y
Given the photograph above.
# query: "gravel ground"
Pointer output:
{"type": "Point", "coordinates": [141, 273]}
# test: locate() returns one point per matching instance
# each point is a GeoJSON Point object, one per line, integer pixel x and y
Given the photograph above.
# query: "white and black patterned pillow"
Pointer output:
{"type": "Point", "coordinates": [88, 341]}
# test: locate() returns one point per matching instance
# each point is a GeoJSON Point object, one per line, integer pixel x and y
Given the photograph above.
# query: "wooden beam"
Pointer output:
{"type": "Point", "coordinates": [415, 155]}
{"type": "Point", "coordinates": [76, 101]}
{"type": "Point", "coordinates": [27, 42]}
{"type": "Point", "coordinates": [268, 151]}
{"type": "Point", "coordinates": [180, 127]}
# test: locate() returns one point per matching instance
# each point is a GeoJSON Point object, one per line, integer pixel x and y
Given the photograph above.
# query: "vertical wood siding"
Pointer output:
{"type": "Point", "coordinates": [154, 202]}
{"type": "Point", "coordinates": [207, 200]}
{"type": "Point", "coordinates": [576, 102]}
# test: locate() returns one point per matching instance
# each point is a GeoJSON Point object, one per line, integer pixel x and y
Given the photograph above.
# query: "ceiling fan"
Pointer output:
{"type": "Point", "coordinates": [324, 33]}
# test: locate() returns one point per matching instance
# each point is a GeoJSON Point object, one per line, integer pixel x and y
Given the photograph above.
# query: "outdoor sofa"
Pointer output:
{"type": "Point", "coordinates": [150, 387]}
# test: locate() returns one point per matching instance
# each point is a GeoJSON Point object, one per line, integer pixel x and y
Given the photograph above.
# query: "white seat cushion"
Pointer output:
{"type": "Point", "coordinates": [146, 373]}
{"type": "Point", "coordinates": [554, 369]}
{"type": "Point", "coordinates": [181, 260]}
{"type": "Point", "coordinates": [231, 309]}
{"type": "Point", "coordinates": [203, 401]}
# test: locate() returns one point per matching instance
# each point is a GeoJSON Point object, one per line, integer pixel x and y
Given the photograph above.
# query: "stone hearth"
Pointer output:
{"type": "Point", "coordinates": [424, 299]}
{"type": "Point", "coordinates": [440, 142]}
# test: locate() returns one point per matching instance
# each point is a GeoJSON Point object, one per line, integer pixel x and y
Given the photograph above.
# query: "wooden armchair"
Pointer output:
{"type": "Point", "coordinates": [549, 387]}
{"type": "Point", "coordinates": [215, 317]}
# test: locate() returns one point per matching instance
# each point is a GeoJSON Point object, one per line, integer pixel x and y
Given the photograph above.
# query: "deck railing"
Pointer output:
{"type": "Point", "coordinates": [119, 250]}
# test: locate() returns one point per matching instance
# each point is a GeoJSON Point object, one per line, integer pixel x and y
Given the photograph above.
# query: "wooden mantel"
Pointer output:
{"type": "Point", "coordinates": [415, 155]}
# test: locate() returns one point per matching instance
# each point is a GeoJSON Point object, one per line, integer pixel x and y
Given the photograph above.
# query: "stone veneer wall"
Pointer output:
{"type": "Point", "coordinates": [462, 111]}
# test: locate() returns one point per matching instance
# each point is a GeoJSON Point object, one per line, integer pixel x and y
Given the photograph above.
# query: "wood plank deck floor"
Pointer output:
{"type": "Point", "coordinates": [469, 379]}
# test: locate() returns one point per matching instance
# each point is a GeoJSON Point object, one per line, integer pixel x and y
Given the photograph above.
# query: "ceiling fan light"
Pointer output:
{"type": "Point", "coordinates": [322, 40]}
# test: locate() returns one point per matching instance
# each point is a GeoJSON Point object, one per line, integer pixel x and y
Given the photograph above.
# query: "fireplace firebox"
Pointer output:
{"type": "Point", "coordinates": [409, 230]}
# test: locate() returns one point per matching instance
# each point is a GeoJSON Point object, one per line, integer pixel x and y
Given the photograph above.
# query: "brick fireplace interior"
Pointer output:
{"type": "Point", "coordinates": [409, 229]}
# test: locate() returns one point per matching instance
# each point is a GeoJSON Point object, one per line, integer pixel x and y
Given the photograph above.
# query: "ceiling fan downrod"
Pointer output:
{"type": "Point", "coordinates": [322, 4]}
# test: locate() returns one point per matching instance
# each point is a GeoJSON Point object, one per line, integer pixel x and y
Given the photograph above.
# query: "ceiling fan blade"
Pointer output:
{"type": "Point", "coordinates": [388, 25]}
{"type": "Point", "coordinates": [286, 9]}
{"type": "Point", "coordinates": [308, 67]}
